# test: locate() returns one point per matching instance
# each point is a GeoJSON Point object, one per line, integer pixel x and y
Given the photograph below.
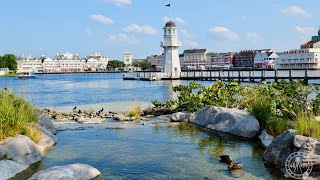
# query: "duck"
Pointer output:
{"type": "Point", "coordinates": [226, 159]}
{"type": "Point", "coordinates": [235, 166]}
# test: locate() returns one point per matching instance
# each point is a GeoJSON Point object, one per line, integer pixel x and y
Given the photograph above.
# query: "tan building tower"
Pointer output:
{"type": "Point", "coordinates": [171, 63]}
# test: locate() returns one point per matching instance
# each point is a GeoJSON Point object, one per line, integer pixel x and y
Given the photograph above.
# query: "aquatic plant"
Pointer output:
{"type": "Point", "coordinates": [17, 116]}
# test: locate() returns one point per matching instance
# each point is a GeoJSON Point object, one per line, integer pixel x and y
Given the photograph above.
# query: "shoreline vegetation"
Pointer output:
{"type": "Point", "coordinates": [17, 116]}
{"type": "Point", "coordinates": [278, 106]}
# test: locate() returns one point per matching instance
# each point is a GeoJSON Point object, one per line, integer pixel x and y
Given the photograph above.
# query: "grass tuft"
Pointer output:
{"type": "Point", "coordinates": [16, 115]}
{"type": "Point", "coordinates": [307, 125]}
{"type": "Point", "coordinates": [135, 110]}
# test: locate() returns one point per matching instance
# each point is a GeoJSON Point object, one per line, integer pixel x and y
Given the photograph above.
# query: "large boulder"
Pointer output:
{"type": "Point", "coordinates": [47, 139]}
{"type": "Point", "coordinates": [233, 121]}
{"type": "Point", "coordinates": [266, 139]}
{"type": "Point", "coordinates": [288, 143]}
{"type": "Point", "coordinates": [46, 122]}
{"type": "Point", "coordinates": [279, 150]}
{"type": "Point", "coordinates": [182, 117]}
{"type": "Point", "coordinates": [9, 169]}
{"type": "Point", "coordinates": [20, 149]}
{"type": "Point", "coordinates": [73, 171]}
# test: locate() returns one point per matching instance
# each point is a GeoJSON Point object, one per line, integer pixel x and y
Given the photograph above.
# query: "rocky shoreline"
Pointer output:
{"type": "Point", "coordinates": [18, 153]}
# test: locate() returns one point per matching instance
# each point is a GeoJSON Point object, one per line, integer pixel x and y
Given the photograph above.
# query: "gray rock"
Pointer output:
{"type": "Point", "coordinates": [73, 171]}
{"type": "Point", "coordinates": [182, 117]}
{"type": "Point", "coordinates": [287, 143]}
{"type": "Point", "coordinates": [121, 117]}
{"type": "Point", "coordinates": [266, 139]}
{"type": "Point", "coordinates": [90, 120]}
{"type": "Point", "coordinates": [46, 122]}
{"type": "Point", "coordinates": [233, 121]}
{"type": "Point", "coordinates": [279, 150]}
{"type": "Point", "coordinates": [20, 149]}
{"type": "Point", "coordinates": [9, 169]}
{"type": "Point", "coordinates": [47, 139]}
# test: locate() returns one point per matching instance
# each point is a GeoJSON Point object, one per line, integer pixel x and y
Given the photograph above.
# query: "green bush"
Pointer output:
{"type": "Point", "coordinates": [307, 125]}
{"type": "Point", "coordinates": [17, 116]}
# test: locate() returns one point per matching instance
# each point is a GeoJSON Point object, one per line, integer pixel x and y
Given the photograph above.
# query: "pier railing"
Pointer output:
{"type": "Point", "coordinates": [252, 74]}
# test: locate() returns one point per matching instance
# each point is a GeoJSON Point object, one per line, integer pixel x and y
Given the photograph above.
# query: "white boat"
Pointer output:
{"type": "Point", "coordinates": [26, 75]}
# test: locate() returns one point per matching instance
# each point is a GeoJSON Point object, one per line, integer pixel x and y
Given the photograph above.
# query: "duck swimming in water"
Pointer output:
{"type": "Point", "coordinates": [235, 166]}
{"type": "Point", "coordinates": [226, 159]}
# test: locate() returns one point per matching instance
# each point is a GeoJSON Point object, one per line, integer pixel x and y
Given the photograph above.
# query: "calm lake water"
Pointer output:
{"type": "Point", "coordinates": [156, 150]}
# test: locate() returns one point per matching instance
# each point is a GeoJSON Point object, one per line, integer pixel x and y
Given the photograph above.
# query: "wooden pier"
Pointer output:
{"type": "Point", "coordinates": [80, 72]}
{"type": "Point", "coordinates": [243, 75]}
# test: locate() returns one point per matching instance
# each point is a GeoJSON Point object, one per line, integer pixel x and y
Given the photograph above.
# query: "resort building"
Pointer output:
{"type": "Point", "coordinates": [244, 59]}
{"type": "Point", "coordinates": [69, 62]}
{"type": "Point", "coordinates": [156, 62]}
{"type": "Point", "coordinates": [221, 60]}
{"type": "Point", "coordinates": [50, 65]}
{"type": "Point", "coordinates": [66, 62]}
{"type": "Point", "coordinates": [308, 57]}
{"type": "Point", "coordinates": [127, 58]}
{"type": "Point", "coordinates": [265, 60]}
{"type": "Point", "coordinates": [195, 59]}
{"type": "Point", "coordinates": [95, 62]}
{"type": "Point", "coordinates": [29, 63]}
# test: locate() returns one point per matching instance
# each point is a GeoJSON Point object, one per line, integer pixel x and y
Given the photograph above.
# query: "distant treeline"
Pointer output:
{"type": "Point", "coordinates": [8, 61]}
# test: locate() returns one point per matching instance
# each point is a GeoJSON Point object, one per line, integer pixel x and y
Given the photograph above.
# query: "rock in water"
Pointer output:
{"type": "Point", "coordinates": [182, 117]}
{"type": "Point", "coordinates": [266, 139]}
{"type": "Point", "coordinates": [281, 147]}
{"type": "Point", "coordinates": [47, 123]}
{"type": "Point", "coordinates": [73, 171]}
{"type": "Point", "coordinates": [233, 121]}
{"type": "Point", "coordinates": [9, 169]}
{"type": "Point", "coordinates": [21, 149]}
{"type": "Point", "coordinates": [287, 143]}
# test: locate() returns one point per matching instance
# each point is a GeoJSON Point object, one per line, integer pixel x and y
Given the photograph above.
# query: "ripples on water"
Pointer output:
{"type": "Point", "coordinates": [136, 152]}
{"type": "Point", "coordinates": [180, 151]}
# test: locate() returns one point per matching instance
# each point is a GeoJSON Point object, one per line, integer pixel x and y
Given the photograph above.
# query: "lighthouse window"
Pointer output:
{"type": "Point", "coordinates": [169, 31]}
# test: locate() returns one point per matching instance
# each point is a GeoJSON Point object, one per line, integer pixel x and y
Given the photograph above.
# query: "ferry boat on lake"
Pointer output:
{"type": "Point", "coordinates": [26, 75]}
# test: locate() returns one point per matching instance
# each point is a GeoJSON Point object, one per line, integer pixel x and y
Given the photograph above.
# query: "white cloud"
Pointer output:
{"type": "Point", "coordinates": [296, 11]}
{"type": "Point", "coordinates": [135, 28]}
{"type": "Point", "coordinates": [120, 3]}
{"type": "Point", "coordinates": [305, 32]}
{"type": "Point", "coordinates": [176, 19]}
{"type": "Point", "coordinates": [224, 33]}
{"type": "Point", "coordinates": [101, 19]}
{"type": "Point", "coordinates": [121, 37]}
{"type": "Point", "coordinates": [185, 33]}
{"type": "Point", "coordinates": [254, 37]}
{"type": "Point", "coordinates": [190, 44]}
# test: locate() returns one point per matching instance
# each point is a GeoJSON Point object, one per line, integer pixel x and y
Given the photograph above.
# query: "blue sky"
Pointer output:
{"type": "Point", "coordinates": [114, 26]}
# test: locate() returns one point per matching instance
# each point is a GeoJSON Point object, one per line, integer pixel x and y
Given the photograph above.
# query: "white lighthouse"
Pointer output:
{"type": "Point", "coordinates": [171, 63]}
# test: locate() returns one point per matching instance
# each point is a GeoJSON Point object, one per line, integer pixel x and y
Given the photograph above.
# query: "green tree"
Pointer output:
{"type": "Point", "coordinates": [143, 64]}
{"type": "Point", "coordinates": [115, 64]}
{"type": "Point", "coordinates": [9, 61]}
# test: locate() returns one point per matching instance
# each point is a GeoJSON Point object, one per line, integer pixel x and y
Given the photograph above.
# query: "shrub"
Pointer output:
{"type": "Point", "coordinates": [16, 115]}
{"type": "Point", "coordinates": [307, 125]}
